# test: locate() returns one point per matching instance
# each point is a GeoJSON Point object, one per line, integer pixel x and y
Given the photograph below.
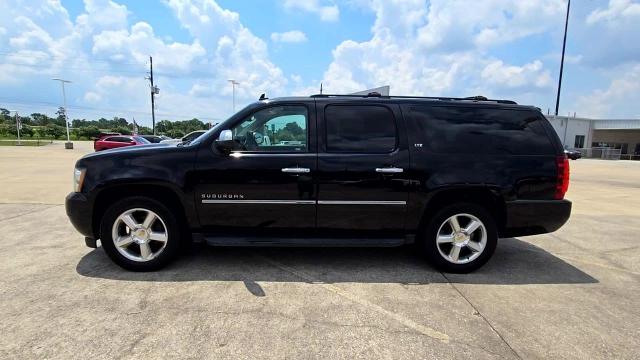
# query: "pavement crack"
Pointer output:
{"type": "Point", "coordinates": [424, 330]}
{"type": "Point", "coordinates": [31, 212]}
{"type": "Point", "coordinates": [479, 313]}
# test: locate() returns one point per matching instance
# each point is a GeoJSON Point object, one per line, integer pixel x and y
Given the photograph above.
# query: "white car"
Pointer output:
{"type": "Point", "coordinates": [189, 137]}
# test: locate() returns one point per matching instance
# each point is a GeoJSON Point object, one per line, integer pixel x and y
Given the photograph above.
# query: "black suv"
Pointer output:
{"type": "Point", "coordinates": [451, 175]}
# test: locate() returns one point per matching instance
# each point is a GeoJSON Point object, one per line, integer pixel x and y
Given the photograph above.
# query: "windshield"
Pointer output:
{"type": "Point", "coordinates": [218, 125]}
{"type": "Point", "coordinates": [200, 136]}
{"type": "Point", "coordinates": [142, 140]}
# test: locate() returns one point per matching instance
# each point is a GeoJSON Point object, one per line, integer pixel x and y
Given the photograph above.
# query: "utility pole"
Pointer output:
{"type": "Point", "coordinates": [154, 92]}
{"type": "Point", "coordinates": [233, 89]}
{"type": "Point", "coordinates": [564, 45]}
{"type": "Point", "coordinates": [68, 144]}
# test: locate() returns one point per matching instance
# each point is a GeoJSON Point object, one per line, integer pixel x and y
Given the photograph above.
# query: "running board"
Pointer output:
{"type": "Point", "coordinates": [302, 242]}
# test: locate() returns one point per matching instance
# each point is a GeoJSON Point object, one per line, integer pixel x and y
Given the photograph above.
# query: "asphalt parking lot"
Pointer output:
{"type": "Point", "coordinates": [571, 294]}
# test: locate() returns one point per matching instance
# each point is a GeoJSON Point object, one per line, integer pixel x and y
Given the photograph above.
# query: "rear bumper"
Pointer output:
{"type": "Point", "coordinates": [79, 210]}
{"type": "Point", "coordinates": [531, 217]}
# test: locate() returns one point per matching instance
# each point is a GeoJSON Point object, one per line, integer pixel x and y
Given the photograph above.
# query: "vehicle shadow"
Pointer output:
{"type": "Point", "coordinates": [515, 262]}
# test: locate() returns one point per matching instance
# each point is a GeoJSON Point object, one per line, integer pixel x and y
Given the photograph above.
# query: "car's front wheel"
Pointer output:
{"type": "Point", "coordinates": [460, 238]}
{"type": "Point", "coordinates": [140, 234]}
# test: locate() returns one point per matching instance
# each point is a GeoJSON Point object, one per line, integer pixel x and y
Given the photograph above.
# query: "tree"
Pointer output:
{"type": "Point", "coordinates": [175, 133]}
{"type": "Point", "coordinates": [26, 131]}
{"type": "Point", "coordinates": [119, 122]}
{"type": "Point", "coordinates": [122, 130]}
{"type": "Point", "coordinates": [7, 130]}
{"type": "Point", "coordinates": [60, 120]}
{"type": "Point", "coordinates": [26, 120]}
{"type": "Point", "coordinates": [294, 129]}
{"type": "Point", "coordinates": [164, 126]}
{"type": "Point", "coordinates": [5, 116]}
{"type": "Point", "coordinates": [144, 130]}
{"type": "Point", "coordinates": [54, 131]}
{"type": "Point", "coordinates": [88, 132]}
{"type": "Point", "coordinates": [40, 119]}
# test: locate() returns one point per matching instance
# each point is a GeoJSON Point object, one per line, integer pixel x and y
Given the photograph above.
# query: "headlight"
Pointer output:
{"type": "Point", "coordinates": [78, 179]}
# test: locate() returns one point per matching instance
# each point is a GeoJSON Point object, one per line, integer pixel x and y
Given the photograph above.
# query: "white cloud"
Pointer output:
{"type": "Point", "coordinates": [442, 48]}
{"type": "Point", "coordinates": [418, 47]}
{"type": "Point", "coordinates": [106, 57]}
{"type": "Point", "coordinates": [293, 36]}
{"type": "Point", "coordinates": [236, 53]}
{"type": "Point", "coordinates": [616, 11]}
{"type": "Point", "coordinates": [609, 35]}
{"type": "Point", "coordinates": [619, 99]}
{"type": "Point", "coordinates": [92, 97]}
{"type": "Point", "coordinates": [200, 89]}
{"type": "Point", "coordinates": [206, 20]}
{"type": "Point", "coordinates": [140, 41]}
{"type": "Point", "coordinates": [510, 76]}
{"type": "Point", "coordinates": [455, 25]}
{"type": "Point", "coordinates": [327, 12]}
{"type": "Point", "coordinates": [32, 37]}
{"type": "Point", "coordinates": [103, 14]}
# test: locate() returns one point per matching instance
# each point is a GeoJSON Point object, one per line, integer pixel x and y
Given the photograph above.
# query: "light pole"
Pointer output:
{"type": "Point", "coordinates": [233, 89]}
{"type": "Point", "coordinates": [68, 144]}
{"type": "Point", "coordinates": [18, 125]}
{"type": "Point", "coordinates": [564, 45]}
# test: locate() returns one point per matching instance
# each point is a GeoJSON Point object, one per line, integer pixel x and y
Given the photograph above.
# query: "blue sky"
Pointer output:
{"type": "Point", "coordinates": [497, 48]}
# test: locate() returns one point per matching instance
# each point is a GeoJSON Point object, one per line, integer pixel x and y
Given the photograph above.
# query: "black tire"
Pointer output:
{"type": "Point", "coordinates": [171, 249]}
{"type": "Point", "coordinates": [430, 234]}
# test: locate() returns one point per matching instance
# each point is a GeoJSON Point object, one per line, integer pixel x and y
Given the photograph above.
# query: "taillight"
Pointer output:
{"type": "Point", "coordinates": [562, 184]}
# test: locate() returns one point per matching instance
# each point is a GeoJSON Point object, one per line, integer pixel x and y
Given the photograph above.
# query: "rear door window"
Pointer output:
{"type": "Point", "coordinates": [469, 130]}
{"type": "Point", "coordinates": [360, 129]}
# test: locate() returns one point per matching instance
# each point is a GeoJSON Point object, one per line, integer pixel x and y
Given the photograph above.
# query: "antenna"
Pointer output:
{"type": "Point", "coordinates": [320, 88]}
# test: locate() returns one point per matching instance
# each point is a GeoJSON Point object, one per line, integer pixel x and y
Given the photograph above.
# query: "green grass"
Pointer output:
{"type": "Point", "coordinates": [14, 142]}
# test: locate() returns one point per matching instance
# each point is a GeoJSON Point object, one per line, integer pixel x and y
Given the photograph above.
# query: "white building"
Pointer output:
{"type": "Point", "coordinates": [580, 133]}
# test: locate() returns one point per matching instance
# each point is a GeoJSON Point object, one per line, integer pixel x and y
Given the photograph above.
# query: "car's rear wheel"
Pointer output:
{"type": "Point", "coordinates": [140, 234]}
{"type": "Point", "coordinates": [460, 238]}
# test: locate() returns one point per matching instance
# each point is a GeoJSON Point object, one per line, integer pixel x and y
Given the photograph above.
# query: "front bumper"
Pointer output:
{"type": "Point", "coordinates": [531, 217]}
{"type": "Point", "coordinates": [79, 210]}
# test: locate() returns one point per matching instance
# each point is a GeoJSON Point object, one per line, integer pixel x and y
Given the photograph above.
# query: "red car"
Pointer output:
{"type": "Point", "coordinates": [116, 141]}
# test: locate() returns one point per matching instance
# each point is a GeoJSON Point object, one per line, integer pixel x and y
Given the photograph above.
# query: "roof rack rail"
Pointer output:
{"type": "Point", "coordinates": [443, 98]}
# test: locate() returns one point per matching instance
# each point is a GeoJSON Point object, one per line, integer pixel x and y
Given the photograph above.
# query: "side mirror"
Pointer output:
{"type": "Point", "coordinates": [225, 141]}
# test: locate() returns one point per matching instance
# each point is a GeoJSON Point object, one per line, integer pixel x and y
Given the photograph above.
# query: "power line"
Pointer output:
{"type": "Point", "coordinates": [74, 68]}
{"type": "Point", "coordinates": [204, 75]}
{"type": "Point", "coordinates": [99, 111]}
{"type": "Point", "coordinates": [93, 59]}
{"type": "Point", "coordinates": [134, 67]}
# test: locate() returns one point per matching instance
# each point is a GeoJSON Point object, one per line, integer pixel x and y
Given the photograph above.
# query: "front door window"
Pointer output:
{"type": "Point", "coordinates": [274, 129]}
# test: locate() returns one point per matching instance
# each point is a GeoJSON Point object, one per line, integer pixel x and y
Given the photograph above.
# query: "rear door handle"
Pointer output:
{"type": "Point", "coordinates": [296, 170]}
{"type": "Point", "coordinates": [389, 170]}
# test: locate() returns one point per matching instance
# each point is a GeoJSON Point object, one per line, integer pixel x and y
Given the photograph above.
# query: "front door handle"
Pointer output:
{"type": "Point", "coordinates": [389, 170]}
{"type": "Point", "coordinates": [296, 170]}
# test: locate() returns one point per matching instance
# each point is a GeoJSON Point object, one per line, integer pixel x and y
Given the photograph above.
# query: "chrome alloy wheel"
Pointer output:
{"type": "Point", "coordinates": [139, 234]}
{"type": "Point", "coordinates": [461, 238]}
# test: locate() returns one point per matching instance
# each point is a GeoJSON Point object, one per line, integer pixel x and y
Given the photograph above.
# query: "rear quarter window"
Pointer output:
{"type": "Point", "coordinates": [469, 130]}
